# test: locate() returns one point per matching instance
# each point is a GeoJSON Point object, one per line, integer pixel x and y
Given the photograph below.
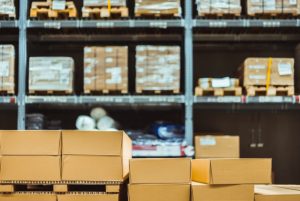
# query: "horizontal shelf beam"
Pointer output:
{"type": "Point", "coordinates": [9, 24]}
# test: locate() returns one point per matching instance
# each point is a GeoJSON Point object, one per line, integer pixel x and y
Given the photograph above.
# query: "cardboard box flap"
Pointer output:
{"type": "Point", "coordinates": [240, 171]}
{"type": "Point", "coordinates": [101, 143]}
{"type": "Point", "coordinates": [201, 170]}
{"type": "Point", "coordinates": [162, 171]}
{"type": "Point", "coordinates": [127, 154]}
{"type": "Point", "coordinates": [30, 143]}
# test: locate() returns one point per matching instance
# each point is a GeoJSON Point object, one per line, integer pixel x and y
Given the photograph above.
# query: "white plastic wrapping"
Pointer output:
{"type": "Point", "coordinates": [219, 7]}
{"type": "Point", "coordinates": [157, 6]}
{"type": "Point", "coordinates": [92, 3]}
{"type": "Point", "coordinates": [7, 68]}
{"type": "Point", "coordinates": [7, 7]}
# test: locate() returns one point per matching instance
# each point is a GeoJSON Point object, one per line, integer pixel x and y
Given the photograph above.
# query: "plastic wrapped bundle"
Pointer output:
{"type": "Point", "coordinates": [157, 7]}
{"type": "Point", "coordinates": [291, 6]}
{"type": "Point", "coordinates": [91, 3]}
{"type": "Point", "coordinates": [51, 74]}
{"type": "Point", "coordinates": [7, 8]}
{"type": "Point", "coordinates": [157, 68]}
{"type": "Point", "coordinates": [7, 69]}
{"type": "Point", "coordinates": [264, 7]}
{"type": "Point", "coordinates": [219, 7]}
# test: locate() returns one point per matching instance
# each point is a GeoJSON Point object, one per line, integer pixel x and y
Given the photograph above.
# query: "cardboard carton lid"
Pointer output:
{"type": "Point", "coordinates": [232, 171]}
{"type": "Point", "coordinates": [87, 197]}
{"type": "Point", "coordinates": [30, 143]}
{"type": "Point", "coordinates": [28, 197]}
{"type": "Point", "coordinates": [101, 143]}
{"type": "Point", "coordinates": [160, 171]}
{"type": "Point", "coordinates": [275, 193]}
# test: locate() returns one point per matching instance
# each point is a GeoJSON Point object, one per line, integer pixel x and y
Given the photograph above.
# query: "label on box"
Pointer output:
{"type": "Point", "coordinates": [108, 49]}
{"type": "Point", "coordinates": [208, 141]}
{"type": "Point", "coordinates": [257, 67]}
{"type": "Point", "coordinates": [116, 77]}
{"type": "Point", "coordinates": [293, 2]}
{"type": "Point", "coordinates": [257, 77]}
{"type": "Point", "coordinates": [221, 82]}
{"type": "Point", "coordinates": [285, 69]}
{"type": "Point", "coordinates": [4, 68]}
{"type": "Point", "coordinates": [109, 60]}
{"type": "Point", "coordinates": [59, 5]}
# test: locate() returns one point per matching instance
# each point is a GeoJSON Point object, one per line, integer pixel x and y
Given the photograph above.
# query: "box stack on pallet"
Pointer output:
{"type": "Point", "coordinates": [7, 9]}
{"type": "Point", "coordinates": [63, 165]}
{"type": "Point", "coordinates": [218, 87]}
{"type": "Point", "coordinates": [51, 75]}
{"type": "Point", "coordinates": [53, 9]}
{"type": "Point", "coordinates": [268, 76]}
{"type": "Point", "coordinates": [273, 7]}
{"type": "Point", "coordinates": [219, 8]}
{"type": "Point", "coordinates": [160, 180]}
{"type": "Point", "coordinates": [106, 69]}
{"type": "Point", "coordinates": [157, 8]}
{"type": "Point", "coordinates": [157, 69]}
{"type": "Point", "coordinates": [102, 9]}
{"type": "Point", "coordinates": [7, 69]}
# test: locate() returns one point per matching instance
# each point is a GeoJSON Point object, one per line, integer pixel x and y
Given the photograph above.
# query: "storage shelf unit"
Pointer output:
{"type": "Point", "coordinates": [8, 24]}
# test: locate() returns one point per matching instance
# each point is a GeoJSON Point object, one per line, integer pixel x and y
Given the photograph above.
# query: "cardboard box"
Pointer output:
{"type": "Point", "coordinates": [275, 193]}
{"type": "Point", "coordinates": [30, 143]}
{"type": "Point", "coordinates": [219, 7]}
{"type": "Point", "coordinates": [159, 192]}
{"type": "Point", "coordinates": [87, 197]}
{"type": "Point", "coordinates": [160, 171]}
{"type": "Point", "coordinates": [28, 197]}
{"type": "Point", "coordinates": [37, 152]}
{"type": "Point", "coordinates": [101, 156]}
{"type": "Point", "coordinates": [7, 60]}
{"type": "Point", "coordinates": [30, 168]}
{"type": "Point", "coordinates": [205, 192]}
{"type": "Point", "coordinates": [232, 171]}
{"type": "Point", "coordinates": [208, 146]}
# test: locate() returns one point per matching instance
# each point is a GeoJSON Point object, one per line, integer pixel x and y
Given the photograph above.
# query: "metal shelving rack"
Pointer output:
{"type": "Point", "coordinates": [187, 99]}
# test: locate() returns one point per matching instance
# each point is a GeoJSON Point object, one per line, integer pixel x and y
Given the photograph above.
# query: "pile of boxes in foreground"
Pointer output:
{"type": "Point", "coordinates": [89, 157]}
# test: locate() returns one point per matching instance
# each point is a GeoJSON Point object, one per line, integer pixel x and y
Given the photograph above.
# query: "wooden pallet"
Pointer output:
{"type": "Point", "coordinates": [161, 14]}
{"type": "Point", "coordinates": [61, 187]}
{"type": "Point", "coordinates": [103, 12]}
{"type": "Point", "coordinates": [43, 10]}
{"type": "Point", "coordinates": [50, 92]}
{"type": "Point", "coordinates": [7, 92]}
{"type": "Point", "coordinates": [272, 91]}
{"type": "Point", "coordinates": [150, 92]}
{"type": "Point", "coordinates": [106, 91]}
{"type": "Point", "coordinates": [7, 16]}
{"type": "Point", "coordinates": [274, 15]}
{"type": "Point", "coordinates": [218, 15]}
{"type": "Point", "coordinates": [233, 91]}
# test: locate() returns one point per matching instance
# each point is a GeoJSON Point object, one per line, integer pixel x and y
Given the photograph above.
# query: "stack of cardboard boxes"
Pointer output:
{"type": "Point", "coordinates": [62, 158]}
{"type": "Point", "coordinates": [157, 68]}
{"type": "Point", "coordinates": [7, 8]}
{"type": "Point", "coordinates": [157, 7]}
{"type": "Point", "coordinates": [255, 7]}
{"type": "Point", "coordinates": [7, 69]}
{"type": "Point", "coordinates": [106, 69]}
{"type": "Point", "coordinates": [96, 3]}
{"type": "Point", "coordinates": [159, 179]}
{"type": "Point", "coordinates": [219, 7]}
{"type": "Point", "coordinates": [275, 72]}
{"type": "Point", "coordinates": [51, 74]}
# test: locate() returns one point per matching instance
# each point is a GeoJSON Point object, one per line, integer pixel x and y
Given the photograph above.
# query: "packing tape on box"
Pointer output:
{"type": "Point", "coordinates": [104, 2]}
{"type": "Point", "coordinates": [268, 81]}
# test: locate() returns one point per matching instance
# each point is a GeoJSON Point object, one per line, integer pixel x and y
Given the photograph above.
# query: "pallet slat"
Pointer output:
{"type": "Point", "coordinates": [233, 91]}
{"type": "Point", "coordinates": [272, 91]}
{"type": "Point", "coordinates": [103, 12]}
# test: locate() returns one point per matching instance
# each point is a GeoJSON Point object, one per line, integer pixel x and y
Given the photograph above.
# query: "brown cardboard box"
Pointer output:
{"type": "Point", "coordinates": [232, 171]}
{"type": "Point", "coordinates": [7, 62]}
{"type": "Point", "coordinates": [104, 156]}
{"type": "Point", "coordinates": [209, 146]}
{"type": "Point", "coordinates": [159, 192]}
{"type": "Point", "coordinates": [275, 193]}
{"type": "Point", "coordinates": [205, 192]}
{"type": "Point", "coordinates": [37, 152]}
{"type": "Point", "coordinates": [28, 197]}
{"type": "Point", "coordinates": [30, 168]}
{"type": "Point", "coordinates": [160, 171]}
{"type": "Point", "coordinates": [87, 197]}
{"type": "Point", "coordinates": [28, 143]}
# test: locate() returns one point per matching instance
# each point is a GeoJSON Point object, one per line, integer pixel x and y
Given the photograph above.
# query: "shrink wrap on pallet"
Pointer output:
{"type": "Point", "coordinates": [157, 68]}
{"type": "Point", "coordinates": [172, 7]}
{"type": "Point", "coordinates": [273, 7]}
{"type": "Point", "coordinates": [219, 7]}
{"type": "Point", "coordinates": [106, 69]}
{"type": "Point", "coordinates": [51, 74]}
{"type": "Point", "coordinates": [7, 69]}
{"type": "Point", "coordinates": [104, 3]}
{"type": "Point", "coordinates": [7, 7]}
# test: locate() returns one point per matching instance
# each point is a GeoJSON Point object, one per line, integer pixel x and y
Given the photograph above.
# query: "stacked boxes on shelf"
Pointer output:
{"type": "Point", "coordinates": [219, 7]}
{"type": "Point", "coordinates": [228, 179]}
{"type": "Point", "coordinates": [51, 74]}
{"type": "Point", "coordinates": [7, 69]}
{"type": "Point", "coordinates": [160, 179]}
{"type": "Point", "coordinates": [217, 146]}
{"type": "Point", "coordinates": [273, 7]}
{"type": "Point", "coordinates": [106, 69]}
{"type": "Point", "coordinates": [268, 76]}
{"type": "Point", "coordinates": [61, 159]}
{"type": "Point", "coordinates": [99, 8]}
{"type": "Point", "coordinates": [95, 3]}
{"type": "Point", "coordinates": [157, 68]}
{"type": "Point", "coordinates": [7, 8]}
{"type": "Point", "coordinates": [218, 87]}
{"type": "Point", "coordinates": [157, 8]}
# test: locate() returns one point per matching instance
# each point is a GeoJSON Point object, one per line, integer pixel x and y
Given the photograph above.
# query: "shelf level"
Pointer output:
{"type": "Point", "coordinates": [246, 99]}
{"type": "Point", "coordinates": [9, 24]}
{"type": "Point", "coordinates": [58, 24]}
